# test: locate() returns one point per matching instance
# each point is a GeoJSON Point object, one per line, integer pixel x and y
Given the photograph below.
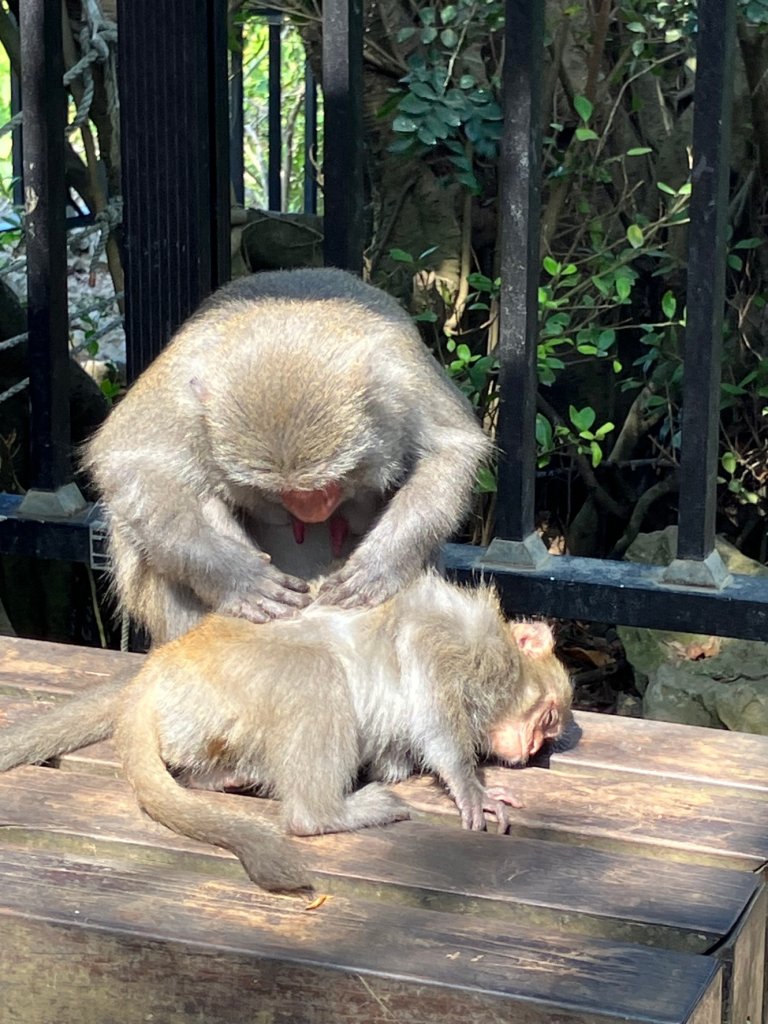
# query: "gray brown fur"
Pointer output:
{"type": "Point", "coordinates": [77, 723]}
{"type": "Point", "coordinates": [299, 706]}
{"type": "Point", "coordinates": [284, 380]}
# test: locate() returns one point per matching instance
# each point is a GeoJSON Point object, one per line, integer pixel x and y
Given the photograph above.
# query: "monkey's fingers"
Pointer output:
{"type": "Point", "coordinates": [355, 588]}
{"type": "Point", "coordinates": [258, 608]}
{"type": "Point", "coordinates": [505, 795]}
{"type": "Point", "coordinates": [289, 583]}
{"type": "Point", "coordinates": [497, 798]}
{"type": "Point", "coordinates": [472, 816]}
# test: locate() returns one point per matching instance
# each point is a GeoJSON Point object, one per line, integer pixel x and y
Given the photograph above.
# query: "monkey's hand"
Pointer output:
{"type": "Point", "coordinates": [359, 583]}
{"type": "Point", "coordinates": [268, 594]}
{"type": "Point", "coordinates": [494, 799]}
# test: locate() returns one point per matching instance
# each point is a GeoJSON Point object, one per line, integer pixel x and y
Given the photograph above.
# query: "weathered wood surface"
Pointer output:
{"type": "Point", "coordinates": [663, 749]}
{"type": "Point", "coordinates": [630, 888]}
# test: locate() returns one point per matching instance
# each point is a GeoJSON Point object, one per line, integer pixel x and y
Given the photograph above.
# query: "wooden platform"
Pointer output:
{"type": "Point", "coordinates": [631, 889]}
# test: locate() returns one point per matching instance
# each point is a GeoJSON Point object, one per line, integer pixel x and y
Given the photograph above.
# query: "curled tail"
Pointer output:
{"type": "Point", "coordinates": [270, 859]}
{"type": "Point", "coordinates": [77, 723]}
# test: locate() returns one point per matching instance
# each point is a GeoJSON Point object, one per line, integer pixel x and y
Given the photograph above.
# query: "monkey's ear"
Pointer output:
{"type": "Point", "coordinates": [200, 389]}
{"type": "Point", "coordinates": [534, 639]}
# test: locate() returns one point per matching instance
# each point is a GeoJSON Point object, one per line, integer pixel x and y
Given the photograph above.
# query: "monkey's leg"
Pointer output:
{"type": "Point", "coordinates": [320, 756]}
{"type": "Point", "coordinates": [268, 857]}
{"type": "Point", "coordinates": [371, 805]}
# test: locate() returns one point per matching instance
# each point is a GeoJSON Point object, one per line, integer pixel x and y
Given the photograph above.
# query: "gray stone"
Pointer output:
{"type": "Point", "coordinates": [726, 686]}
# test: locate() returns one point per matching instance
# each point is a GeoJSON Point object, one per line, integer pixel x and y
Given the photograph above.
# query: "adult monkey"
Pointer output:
{"type": "Point", "coordinates": [296, 419]}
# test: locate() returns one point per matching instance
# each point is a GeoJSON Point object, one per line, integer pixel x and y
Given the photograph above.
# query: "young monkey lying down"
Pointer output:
{"type": "Point", "coordinates": [429, 680]}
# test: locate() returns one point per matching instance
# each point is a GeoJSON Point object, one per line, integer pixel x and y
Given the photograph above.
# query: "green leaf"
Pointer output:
{"type": "Point", "coordinates": [485, 481]}
{"type": "Point", "coordinates": [436, 126]}
{"type": "Point", "coordinates": [668, 304]}
{"type": "Point", "coordinates": [551, 266]}
{"type": "Point", "coordinates": [583, 108]}
{"type": "Point", "coordinates": [401, 145]}
{"type": "Point", "coordinates": [639, 151]}
{"type": "Point", "coordinates": [428, 35]}
{"type": "Point", "coordinates": [585, 134]}
{"type": "Point", "coordinates": [623, 288]}
{"type": "Point", "coordinates": [448, 13]}
{"type": "Point", "coordinates": [543, 432]}
{"type": "Point", "coordinates": [426, 136]}
{"type": "Point", "coordinates": [427, 317]}
{"type": "Point", "coordinates": [400, 256]}
{"type": "Point", "coordinates": [635, 235]}
{"type": "Point", "coordinates": [404, 124]}
{"type": "Point", "coordinates": [425, 91]}
{"type": "Point", "coordinates": [464, 353]}
{"type": "Point", "coordinates": [582, 419]}
{"type": "Point", "coordinates": [467, 82]}
{"type": "Point", "coordinates": [605, 429]}
{"type": "Point", "coordinates": [635, 26]}
{"type": "Point", "coordinates": [728, 462]}
{"type": "Point", "coordinates": [480, 281]}
{"type": "Point", "coordinates": [606, 339]}
{"type": "Point", "coordinates": [597, 454]}
{"type": "Point", "coordinates": [448, 38]}
{"type": "Point", "coordinates": [665, 188]}
{"type": "Point", "coordinates": [411, 104]}
{"type": "Point", "coordinates": [749, 243]}
{"type": "Point", "coordinates": [406, 33]}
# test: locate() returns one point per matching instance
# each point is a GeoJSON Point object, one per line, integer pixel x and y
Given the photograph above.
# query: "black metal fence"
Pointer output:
{"type": "Point", "coordinates": [176, 203]}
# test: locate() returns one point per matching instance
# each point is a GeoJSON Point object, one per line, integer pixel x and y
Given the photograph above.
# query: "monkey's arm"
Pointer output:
{"type": "Point", "coordinates": [459, 774]}
{"type": "Point", "coordinates": [78, 723]}
{"type": "Point", "coordinates": [424, 512]}
{"type": "Point", "coordinates": [201, 544]}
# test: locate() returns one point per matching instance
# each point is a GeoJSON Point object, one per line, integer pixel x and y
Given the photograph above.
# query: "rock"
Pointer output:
{"type": "Point", "coordinates": [694, 679]}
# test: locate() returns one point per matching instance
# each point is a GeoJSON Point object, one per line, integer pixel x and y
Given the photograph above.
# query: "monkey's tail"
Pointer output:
{"type": "Point", "coordinates": [77, 723]}
{"type": "Point", "coordinates": [270, 859]}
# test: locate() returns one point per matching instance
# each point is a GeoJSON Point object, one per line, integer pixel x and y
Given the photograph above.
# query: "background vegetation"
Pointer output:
{"type": "Point", "coordinates": [618, 79]}
{"type": "Point", "coordinates": [618, 107]}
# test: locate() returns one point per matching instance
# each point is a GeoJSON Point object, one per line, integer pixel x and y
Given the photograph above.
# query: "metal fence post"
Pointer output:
{"type": "Point", "coordinates": [45, 111]}
{"type": "Point", "coordinates": [515, 542]}
{"type": "Point", "coordinates": [343, 133]}
{"type": "Point", "coordinates": [172, 72]}
{"type": "Point", "coordinates": [698, 563]}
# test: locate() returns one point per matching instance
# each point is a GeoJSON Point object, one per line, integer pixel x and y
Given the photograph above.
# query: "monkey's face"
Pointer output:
{"type": "Point", "coordinates": [313, 506]}
{"type": "Point", "coordinates": [515, 740]}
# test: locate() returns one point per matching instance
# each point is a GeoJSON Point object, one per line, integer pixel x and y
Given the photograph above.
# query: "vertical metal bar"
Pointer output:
{"type": "Point", "coordinates": [175, 184]}
{"type": "Point", "coordinates": [45, 111]}
{"type": "Point", "coordinates": [343, 124]}
{"type": "Point", "coordinates": [218, 143]}
{"type": "Point", "coordinates": [236, 161]}
{"type": "Point", "coordinates": [274, 191]}
{"type": "Point", "coordinates": [310, 140]}
{"type": "Point", "coordinates": [520, 161]}
{"type": "Point", "coordinates": [706, 277]}
{"type": "Point", "coordinates": [17, 144]}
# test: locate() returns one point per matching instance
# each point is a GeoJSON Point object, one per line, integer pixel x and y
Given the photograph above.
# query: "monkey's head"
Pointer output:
{"type": "Point", "coordinates": [540, 708]}
{"type": "Point", "coordinates": [305, 437]}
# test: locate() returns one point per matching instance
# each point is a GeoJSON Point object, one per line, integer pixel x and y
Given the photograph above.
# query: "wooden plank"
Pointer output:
{"type": "Point", "coordinates": [667, 750]}
{"type": "Point", "coordinates": [545, 885]}
{"type": "Point", "coordinates": [35, 667]}
{"type": "Point", "coordinates": [743, 956]}
{"type": "Point", "coordinates": [122, 946]}
{"type": "Point", "coordinates": [647, 815]}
